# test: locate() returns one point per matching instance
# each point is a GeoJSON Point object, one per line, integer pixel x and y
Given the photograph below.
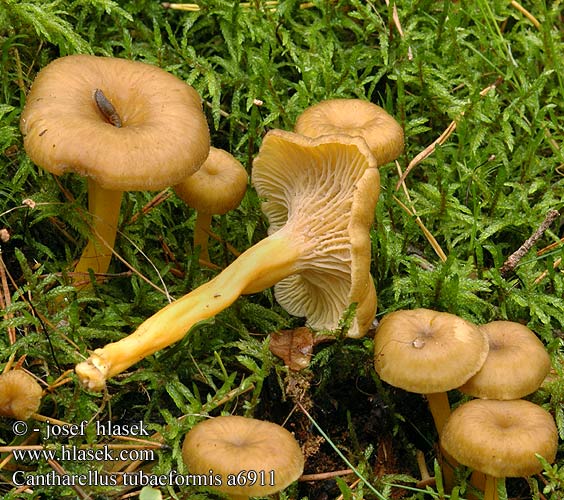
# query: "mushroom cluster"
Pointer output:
{"type": "Point", "coordinates": [516, 365]}
{"type": "Point", "coordinates": [124, 125]}
{"type": "Point", "coordinates": [431, 352]}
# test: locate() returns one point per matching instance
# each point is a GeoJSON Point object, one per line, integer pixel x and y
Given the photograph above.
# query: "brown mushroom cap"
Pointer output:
{"type": "Point", "coordinates": [217, 187]}
{"type": "Point", "coordinates": [427, 351]}
{"type": "Point", "coordinates": [354, 117]}
{"type": "Point", "coordinates": [322, 193]}
{"type": "Point", "coordinates": [164, 137]}
{"type": "Point", "coordinates": [516, 365]}
{"type": "Point", "coordinates": [501, 438]}
{"type": "Point", "coordinates": [231, 444]}
{"type": "Point", "coordinates": [20, 395]}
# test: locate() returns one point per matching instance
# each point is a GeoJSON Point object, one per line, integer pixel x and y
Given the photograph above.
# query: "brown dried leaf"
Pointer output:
{"type": "Point", "coordinates": [294, 347]}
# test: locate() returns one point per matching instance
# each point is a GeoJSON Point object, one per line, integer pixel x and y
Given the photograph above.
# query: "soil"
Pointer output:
{"type": "Point", "coordinates": [356, 415]}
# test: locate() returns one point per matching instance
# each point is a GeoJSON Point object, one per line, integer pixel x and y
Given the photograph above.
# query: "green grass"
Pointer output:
{"type": "Point", "coordinates": [480, 194]}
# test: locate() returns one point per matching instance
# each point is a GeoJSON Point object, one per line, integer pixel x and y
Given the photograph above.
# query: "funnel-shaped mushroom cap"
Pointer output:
{"type": "Point", "coordinates": [163, 138]}
{"type": "Point", "coordinates": [354, 117]}
{"type": "Point", "coordinates": [322, 193]}
{"type": "Point", "coordinates": [516, 365]}
{"type": "Point", "coordinates": [217, 187]}
{"type": "Point", "coordinates": [501, 438]}
{"type": "Point", "coordinates": [20, 395]}
{"type": "Point", "coordinates": [427, 351]}
{"type": "Point", "coordinates": [232, 445]}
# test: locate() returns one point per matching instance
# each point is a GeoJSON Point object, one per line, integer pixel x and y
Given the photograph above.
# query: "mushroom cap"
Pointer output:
{"type": "Point", "coordinates": [20, 395]}
{"type": "Point", "coordinates": [232, 444]}
{"type": "Point", "coordinates": [426, 351]}
{"type": "Point", "coordinates": [322, 193]}
{"type": "Point", "coordinates": [354, 117]}
{"type": "Point", "coordinates": [516, 365]}
{"type": "Point", "coordinates": [164, 137]}
{"type": "Point", "coordinates": [217, 187]}
{"type": "Point", "coordinates": [500, 438]}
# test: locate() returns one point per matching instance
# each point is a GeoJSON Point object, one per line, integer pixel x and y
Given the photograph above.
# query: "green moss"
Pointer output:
{"type": "Point", "coordinates": [481, 194]}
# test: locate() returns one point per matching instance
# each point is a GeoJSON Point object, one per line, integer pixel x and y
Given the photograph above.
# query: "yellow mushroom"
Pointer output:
{"type": "Point", "coordinates": [215, 189]}
{"type": "Point", "coordinates": [358, 118]}
{"type": "Point", "coordinates": [500, 439]}
{"type": "Point", "coordinates": [516, 365]}
{"type": "Point", "coordinates": [20, 395]}
{"type": "Point", "coordinates": [248, 457]}
{"type": "Point", "coordinates": [319, 196]}
{"type": "Point", "coordinates": [124, 125]}
{"type": "Point", "coordinates": [428, 352]}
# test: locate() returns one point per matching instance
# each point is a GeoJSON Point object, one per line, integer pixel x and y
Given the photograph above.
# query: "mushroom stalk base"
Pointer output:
{"type": "Point", "coordinates": [258, 268]}
{"type": "Point", "coordinates": [103, 205]}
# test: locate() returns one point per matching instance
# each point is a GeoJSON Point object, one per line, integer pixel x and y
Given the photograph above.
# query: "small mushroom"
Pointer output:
{"type": "Point", "coordinates": [516, 365]}
{"type": "Point", "coordinates": [215, 189]}
{"type": "Point", "coordinates": [428, 352]}
{"type": "Point", "coordinates": [320, 196]}
{"type": "Point", "coordinates": [500, 439]}
{"type": "Point", "coordinates": [354, 117]}
{"type": "Point", "coordinates": [124, 125]}
{"type": "Point", "coordinates": [20, 395]}
{"type": "Point", "coordinates": [249, 457]}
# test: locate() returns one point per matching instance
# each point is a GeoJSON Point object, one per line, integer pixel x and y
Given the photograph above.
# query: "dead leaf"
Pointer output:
{"type": "Point", "coordinates": [294, 347]}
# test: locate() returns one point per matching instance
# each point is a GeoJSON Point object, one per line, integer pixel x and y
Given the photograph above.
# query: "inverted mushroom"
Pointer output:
{"type": "Point", "coordinates": [320, 196]}
{"type": "Point", "coordinates": [358, 118]}
{"type": "Point", "coordinates": [124, 125]}
{"type": "Point", "coordinates": [248, 457]}
{"type": "Point", "coordinates": [215, 189]}
{"type": "Point", "coordinates": [500, 439]}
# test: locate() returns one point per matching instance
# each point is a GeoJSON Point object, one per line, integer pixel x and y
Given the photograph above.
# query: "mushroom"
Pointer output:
{"type": "Point", "coordinates": [428, 352]}
{"type": "Point", "coordinates": [215, 189]}
{"type": "Point", "coordinates": [125, 125]}
{"type": "Point", "coordinates": [516, 365]}
{"type": "Point", "coordinates": [500, 439]}
{"type": "Point", "coordinates": [354, 117]}
{"type": "Point", "coordinates": [248, 457]}
{"type": "Point", "coordinates": [320, 196]}
{"type": "Point", "coordinates": [20, 395]}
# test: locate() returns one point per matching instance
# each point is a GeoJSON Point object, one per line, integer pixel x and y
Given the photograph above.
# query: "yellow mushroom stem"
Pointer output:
{"type": "Point", "coordinates": [104, 206]}
{"type": "Point", "coordinates": [201, 234]}
{"type": "Point", "coordinates": [440, 410]}
{"type": "Point", "coordinates": [257, 269]}
{"type": "Point", "coordinates": [478, 480]}
{"type": "Point", "coordinates": [490, 492]}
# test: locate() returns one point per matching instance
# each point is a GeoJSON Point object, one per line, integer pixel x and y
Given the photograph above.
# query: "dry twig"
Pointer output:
{"type": "Point", "coordinates": [514, 259]}
{"type": "Point", "coordinates": [440, 140]}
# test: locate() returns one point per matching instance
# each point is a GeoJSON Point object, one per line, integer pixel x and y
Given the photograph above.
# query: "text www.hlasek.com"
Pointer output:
{"type": "Point", "coordinates": [73, 453]}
